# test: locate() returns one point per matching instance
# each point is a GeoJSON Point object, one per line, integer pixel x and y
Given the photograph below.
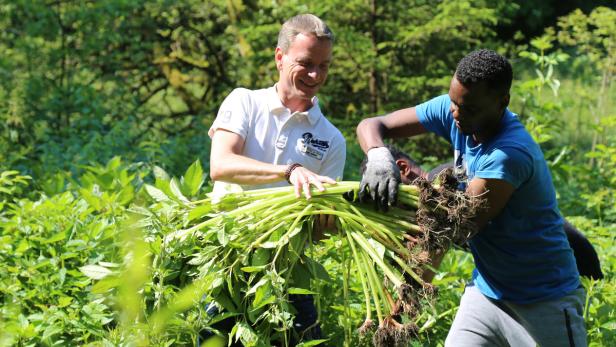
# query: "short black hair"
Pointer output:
{"type": "Point", "coordinates": [485, 65]}
{"type": "Point", "coordinates": [395, 152]}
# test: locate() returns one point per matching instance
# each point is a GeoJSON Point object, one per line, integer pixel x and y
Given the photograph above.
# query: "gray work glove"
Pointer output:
{"type": "Point", "coordinates": [381, 178]}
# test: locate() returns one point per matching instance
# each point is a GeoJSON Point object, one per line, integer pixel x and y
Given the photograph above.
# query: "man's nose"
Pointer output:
{"type": "Point", "coordinates": [315, 73]}
{"type": "Point", "coordinates": [454, 110]}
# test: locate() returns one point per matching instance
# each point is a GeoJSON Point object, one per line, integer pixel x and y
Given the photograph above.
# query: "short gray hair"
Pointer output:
{"type": "Point", "coordinates": [303, 24]}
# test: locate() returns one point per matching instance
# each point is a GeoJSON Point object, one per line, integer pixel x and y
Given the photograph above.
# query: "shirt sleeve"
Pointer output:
{"type": "Point", "coordinates": [333, 166]}
{"type": "Point", "coordinates": [510, 164]}
{"type": "Point", "coordinates": [435, 116]}
{"type": "Point", "coordinates": [234, 113]}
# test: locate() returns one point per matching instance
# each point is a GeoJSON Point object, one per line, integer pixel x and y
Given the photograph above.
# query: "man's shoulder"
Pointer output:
{"type": "Point", "coordinates": [515, 135]}
{"type": "Point", "coordinates": [435, 116]}
{"type": "Point", "coordinates": [250, 100]}
{"type": "Point", "coordinates": [441, 101]}
{"type": "Point", "coordinates": [244, 93]}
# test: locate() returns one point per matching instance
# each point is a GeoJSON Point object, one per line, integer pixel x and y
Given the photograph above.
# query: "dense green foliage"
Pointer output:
{"type": "Point", "coordinates": [85, 83]}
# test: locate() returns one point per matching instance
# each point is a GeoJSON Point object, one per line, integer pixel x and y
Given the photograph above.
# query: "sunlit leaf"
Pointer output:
{"type": "Point", "coordinates": [95, 272]}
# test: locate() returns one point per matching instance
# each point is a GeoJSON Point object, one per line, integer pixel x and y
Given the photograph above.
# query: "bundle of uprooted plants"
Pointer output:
{"type": "Point", "coordinates": [252, 248]}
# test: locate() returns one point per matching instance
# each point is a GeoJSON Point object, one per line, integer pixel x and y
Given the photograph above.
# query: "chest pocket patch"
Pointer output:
{"type": "Point", "coordinates": [313, 147]}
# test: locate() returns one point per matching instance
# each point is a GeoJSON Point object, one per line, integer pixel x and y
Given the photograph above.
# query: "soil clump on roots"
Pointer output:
{"type": "Point", "coordinates": [446, 214]}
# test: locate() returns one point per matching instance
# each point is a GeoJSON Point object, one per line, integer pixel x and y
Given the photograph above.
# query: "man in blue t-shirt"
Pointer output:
{"type": "Point", "coordinates": [525, 288]}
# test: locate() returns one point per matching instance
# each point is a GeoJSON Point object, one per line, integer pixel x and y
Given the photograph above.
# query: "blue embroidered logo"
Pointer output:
{"type": "Point", "coordinates": [313, 147]}
{"type": "Point", "coordinates": [310, 140]}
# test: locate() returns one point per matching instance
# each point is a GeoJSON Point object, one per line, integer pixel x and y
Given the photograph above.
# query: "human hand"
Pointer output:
{"type": "Point", "coordinates": [302, 178]}
{"type": "Point", "coordinates": [381, 179]}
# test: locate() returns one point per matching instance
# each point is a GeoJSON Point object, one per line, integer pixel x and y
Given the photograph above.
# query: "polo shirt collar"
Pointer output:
{"type": "Point", "coordinates": [277, 108]}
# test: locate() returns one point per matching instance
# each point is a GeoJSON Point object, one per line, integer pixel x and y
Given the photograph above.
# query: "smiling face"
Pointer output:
{"type": "Point", "coordinates": [476, 109]}
{"type": "Point", "coordinates": [303, 70]}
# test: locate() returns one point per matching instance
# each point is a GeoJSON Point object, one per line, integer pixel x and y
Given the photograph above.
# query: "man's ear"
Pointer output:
{"type": "Point", "coordinates": [404, 167]}
{"type": "Point", "coordinates": [505, 101]}
{"type": "Point", "coordinates": [278, 58]}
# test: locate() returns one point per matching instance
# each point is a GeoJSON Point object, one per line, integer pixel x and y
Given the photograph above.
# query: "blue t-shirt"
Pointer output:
{"type": "Point", "coordinates": [523, 254]}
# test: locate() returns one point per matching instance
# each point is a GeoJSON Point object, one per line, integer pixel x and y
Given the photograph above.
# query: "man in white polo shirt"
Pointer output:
{"type": "Point", "coordinates": [278, 135]}
{"type": "Point", "coordinates": [266, 137]}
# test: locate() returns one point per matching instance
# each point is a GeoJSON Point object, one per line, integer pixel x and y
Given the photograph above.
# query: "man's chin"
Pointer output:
{"type": "Point", "coordinates": [466, 132]}
{"type": "Point", "coordinates": [306, 95]}
{"type": "Point", "coordinates": [308, 91]}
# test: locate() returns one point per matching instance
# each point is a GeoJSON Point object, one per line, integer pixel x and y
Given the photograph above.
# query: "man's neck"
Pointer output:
{"type": "Point", "coordinates": [293, 104]}
{"type": "Point", "coordinates": [490, 131]}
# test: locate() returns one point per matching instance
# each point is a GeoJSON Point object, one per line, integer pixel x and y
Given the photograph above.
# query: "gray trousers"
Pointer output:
{"type": "Point", "coordinates": [481, 321]}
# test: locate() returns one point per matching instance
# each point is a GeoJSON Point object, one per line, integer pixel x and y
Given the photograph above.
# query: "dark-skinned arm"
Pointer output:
{"type": "Point", "coordinates": [496, 192]}
{"type": "Point", "coordinates": [401, 123]}
{"type": "Point", "coordinates": [380, 180]}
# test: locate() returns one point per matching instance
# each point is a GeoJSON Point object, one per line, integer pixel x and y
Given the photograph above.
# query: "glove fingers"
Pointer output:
{"type": "Point", "coordinates": [382, 197]}
{"type": "Point", "coordinates": [374, 193]}
{"type": "Point", "coordinates": [393, 192]}
{"type": "Point", "coordinates": [363, 191]}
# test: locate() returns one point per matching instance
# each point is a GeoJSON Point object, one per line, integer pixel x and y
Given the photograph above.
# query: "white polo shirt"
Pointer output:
{"type": "Point", "coordinates": [274, 135]}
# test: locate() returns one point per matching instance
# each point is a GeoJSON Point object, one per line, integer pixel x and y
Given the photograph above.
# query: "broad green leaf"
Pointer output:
{"type": "Point", "coordinates": [264, 301]}
{"type": "Point", "coordinates": [199, 212]}
{"type": "Point", "coordinates": [301, 291]}
{"type": "Point", "coordinates": [223, 237]}
{"type": "Point", "coordinates": [193, 179]}
{"type": "Point", "coordinates": [23, 246]}
{"type": "Point", "coordinates": [301, 276]}
{"type": "Point", "coordinates": [260, 256]}
{"type": "Point", "coordinates": [246, 334]}
{"type": "Point", "coordinates": [317, 270]}
{"type": "Point", "coordinates": [50, 331]}
{"type": "Point", "coordinates": [108, 264]}
{"type": "Point", "coordinates": [55, 238]}
{"type": "Point", "coordinates": [92, 197]}
{"type": "Point", "coordinates": [95, 271]}
{"type": "Point", "coordinates": [254, 288]}
{"type": "Point", "coordinates": [263, 295]}
{"type": "Point", "coordinates": [177, 192]}
{"type": "Point", "coordinates": [223, 300]}
{"type": "Point", "coordinates": [126, 195]}
{"type": "Point", "coordinates": [64, 301]}
{"type": "Point", "coordinates": [222, 316]}
{"type": "Point", "coordinates": [160, 173]}
{"type": "Point", "coordinates": [156, 193]}
{"type": "Point", "coordinates": [378, 247]}
{"type": "Point", "coordinates": [106, 284]}
{"type": "Point", "coordinates": [214, 341]}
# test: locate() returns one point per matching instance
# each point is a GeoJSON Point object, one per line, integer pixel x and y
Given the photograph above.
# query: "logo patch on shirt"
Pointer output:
{"type": "Point", "coordinates": [313, 147]}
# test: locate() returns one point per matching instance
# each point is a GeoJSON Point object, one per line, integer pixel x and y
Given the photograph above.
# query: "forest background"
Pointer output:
{"type": "Point", "coordinates": [98, 98]}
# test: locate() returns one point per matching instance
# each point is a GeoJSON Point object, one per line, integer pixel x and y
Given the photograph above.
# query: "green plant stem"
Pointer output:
{"type": "Point", "coordinates": [362, 275]}
{"type": "Point", "coordinates": [361, 240]}
{"type": "Point", "coordinates": [376, 285]}
{"type": "Point", "coordinates": [375, 296]}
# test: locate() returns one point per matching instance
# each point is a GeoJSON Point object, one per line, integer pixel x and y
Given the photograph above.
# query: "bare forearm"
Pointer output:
{"type": "Point", "coordinates": [235, 168]}
{"type": "Point", "coordinates": [496, 194]}
{"type": "Point", "coordinates": [370, 133]}
{"type": "Point", "coordinates": [400, 123]}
